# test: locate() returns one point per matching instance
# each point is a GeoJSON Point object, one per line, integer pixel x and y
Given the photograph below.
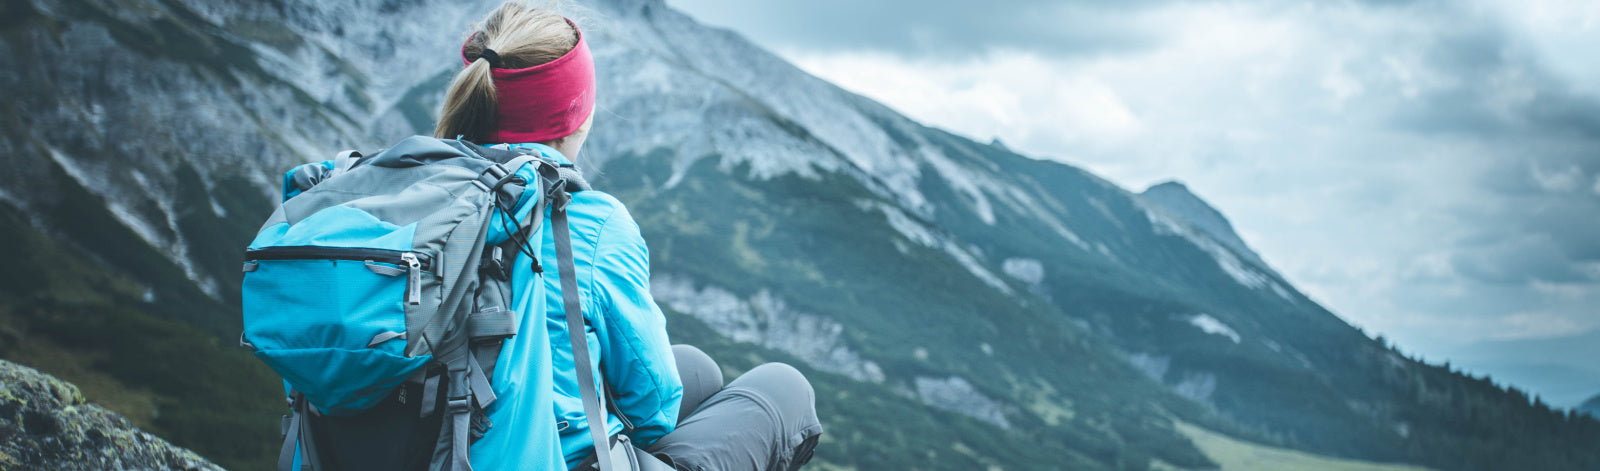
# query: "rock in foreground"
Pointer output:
{"type": "Point", "coordinates": [46, 424]}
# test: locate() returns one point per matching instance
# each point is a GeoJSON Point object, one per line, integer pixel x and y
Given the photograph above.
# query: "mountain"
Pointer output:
{"type": "Point", "coordinates": [1560, 368]}
{"type": "Point", "coordinates": [957, 305]}
{"type": "Point", "coordinates": [1591, 407]}
{"type": "Point", "coordinates": [1176, 199]}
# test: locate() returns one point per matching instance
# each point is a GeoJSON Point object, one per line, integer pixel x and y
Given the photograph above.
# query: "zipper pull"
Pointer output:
{"type": "Point", "coordinates": [414, 282]}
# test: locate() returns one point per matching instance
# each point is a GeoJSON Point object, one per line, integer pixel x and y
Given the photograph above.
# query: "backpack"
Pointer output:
{"type": "Point", "coordinates": [379, 291]}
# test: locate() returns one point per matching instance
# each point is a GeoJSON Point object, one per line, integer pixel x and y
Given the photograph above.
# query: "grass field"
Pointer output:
{"type": "Point", "coordinates": [1237, 455]}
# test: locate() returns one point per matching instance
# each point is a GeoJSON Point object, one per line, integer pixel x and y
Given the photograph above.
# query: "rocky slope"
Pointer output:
{"type": "Point", "coordinates": [951, 300]}
{"type": "Point", "coordinates": [46, 424]}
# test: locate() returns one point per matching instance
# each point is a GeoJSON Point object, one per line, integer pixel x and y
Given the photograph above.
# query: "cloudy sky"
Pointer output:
{"type": "Point", "coordinates": [1430, 170]}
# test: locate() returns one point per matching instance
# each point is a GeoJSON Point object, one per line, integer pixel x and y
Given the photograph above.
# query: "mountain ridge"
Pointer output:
{"type": "Point", "coordinates": [1590, 407]}
{"type": "Point", "coordinates": [1176, 198]}
{"type": "Point", "coordinates": [948, 297]}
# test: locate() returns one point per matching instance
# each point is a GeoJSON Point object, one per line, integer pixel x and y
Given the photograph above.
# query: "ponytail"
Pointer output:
{"type": "Point", "coordinates": [470, 106]}
{"type": "Point", "coordinates": [521, 37]}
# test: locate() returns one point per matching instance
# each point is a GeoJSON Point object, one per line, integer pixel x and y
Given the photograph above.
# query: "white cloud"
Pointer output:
{"type": "Point", "coordinates": [1562, 180]}
{"type": "Point", "coordinates": [1533, 325]}
{"type": "Point", "coordinates": [1558, 29]}
{"type": "Point", "coordinates": [1565, 290]}
{"type": "Point", "coordinates": [1419, 168]}
{"type": "Point", "coordinates": [1018, 97]}
{"type": "Point", "coordinates": [1291, 119]}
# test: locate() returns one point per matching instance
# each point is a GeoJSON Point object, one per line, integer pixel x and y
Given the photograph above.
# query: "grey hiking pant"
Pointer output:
{"type": "Point", "coordinates": [765, 420]}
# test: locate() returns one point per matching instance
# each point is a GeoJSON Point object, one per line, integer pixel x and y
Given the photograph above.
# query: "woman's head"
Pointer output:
{"type": "Point", "coordinates": [528, 78]}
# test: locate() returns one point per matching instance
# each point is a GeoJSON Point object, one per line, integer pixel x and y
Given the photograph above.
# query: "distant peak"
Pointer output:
{"type": "Point", "coordinates": [995, 143]}
{"type": "Point", "coordinates": [1175, 198]}
{"type": "Point", "coordinates": [1591, 407]}
{"type": "Point", "coordinates": [1170, 185]}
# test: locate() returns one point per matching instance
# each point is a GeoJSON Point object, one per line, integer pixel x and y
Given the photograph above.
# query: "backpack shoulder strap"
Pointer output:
{"type": "Point", "coordinates": [592, 412]}
{"type": "Point", "coordinates": [573, 178]}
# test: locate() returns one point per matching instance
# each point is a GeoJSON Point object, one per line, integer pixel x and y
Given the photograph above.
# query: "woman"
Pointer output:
{"type": "Point", "coordinates": [529, 83]}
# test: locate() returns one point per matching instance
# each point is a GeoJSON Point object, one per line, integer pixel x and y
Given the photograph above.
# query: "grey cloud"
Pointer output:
{"type": "Point", "coordinates": [936, 29]}
{"type": "Point", "coordinates": [1535, 257]}
{"type": "Point", "coordinates": [1441, 196]}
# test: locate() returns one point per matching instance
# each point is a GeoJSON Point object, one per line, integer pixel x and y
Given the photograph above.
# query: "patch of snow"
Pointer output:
{"type": "Point", "coordinates": [977, 269]}
{"type": "Point", "coordinates": [911, 229]}
{"type": "Point", "coordinates": [1197, 386]}
{"type": "Point", "coordinates": [9, 198]}
{"type": "Point", "coordinates": [1291, 352]}
{"type": "Point", "coordinates": [1281, 291]}
{"type": "Point", "coordinates": [987, 350]}
{"type": "Point", "coordinates": [1105, 211]}
{"type": "Point", "coordinates": [1026, 270]}
{"type": "Point", "coordinates": [1211, 325]}
{"type": "Point", "coordinates": [217, 209]}
{"type": "Point", "coordinates": [1153, 366]}
{"type": "Point", "coordinates": [175, 249]}
{"type": "Point", "coordinates": [924, 235]}
{"type": "Point", "coordinates": [955, 394]}
{"type": "Point", "coordinates": [963, 181]}
{"type": "Point", "coordinates": [901, 247]}
{"type": "Point", "coordinates": [1225, 258]}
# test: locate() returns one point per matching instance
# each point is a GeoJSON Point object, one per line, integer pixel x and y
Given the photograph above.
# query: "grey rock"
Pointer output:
{"type": "Point", "coordinates": [45, 423]}
{"type": "Point", "coordinates": [956, 394]}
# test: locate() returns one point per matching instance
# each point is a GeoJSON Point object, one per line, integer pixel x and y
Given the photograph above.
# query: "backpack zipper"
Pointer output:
{"type": "Point", "coordinates": [415, 262]}
{"type": "Point", "coordinates": [414, 281]}
{"type": "Point", "coordinates": [358, 254]}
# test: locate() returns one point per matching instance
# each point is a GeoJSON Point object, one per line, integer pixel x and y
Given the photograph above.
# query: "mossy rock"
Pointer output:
{"type": "Point", "coordinates": [45, 423]}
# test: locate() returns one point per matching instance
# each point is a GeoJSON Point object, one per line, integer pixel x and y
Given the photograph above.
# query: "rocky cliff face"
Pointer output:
{"type": "Point", "coordinates": [46, 424]}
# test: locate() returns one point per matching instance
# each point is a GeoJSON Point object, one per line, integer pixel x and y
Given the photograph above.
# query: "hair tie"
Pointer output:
{"type": "Point", "coordinates": [491, 56]}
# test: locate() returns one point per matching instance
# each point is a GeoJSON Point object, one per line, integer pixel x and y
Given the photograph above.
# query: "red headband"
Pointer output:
{"type": "Point", "coordinates": [546, 101]}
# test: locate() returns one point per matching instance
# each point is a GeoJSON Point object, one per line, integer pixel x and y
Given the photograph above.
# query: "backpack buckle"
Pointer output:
{"type": "Point", "coordinates": [497, 176]}
{"type": "Point", "coordinates": [480, 425]}
{"type": "Point", "coordinates": [497, 266]}
{"type": "Point", "coordinates": [460, 405]}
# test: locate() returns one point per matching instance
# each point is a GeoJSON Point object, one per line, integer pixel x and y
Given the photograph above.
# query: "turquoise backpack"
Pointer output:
{"type": "Point", "coordinates": [379, 292]}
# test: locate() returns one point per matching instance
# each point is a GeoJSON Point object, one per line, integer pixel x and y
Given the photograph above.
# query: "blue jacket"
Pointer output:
{"type": "Point", "coordinates": [535, 378]}
{"type": "Point", "coordinates": [627, 332]}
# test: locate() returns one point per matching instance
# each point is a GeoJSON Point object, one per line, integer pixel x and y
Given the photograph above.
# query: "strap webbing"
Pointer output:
{"type": "Point", "coordinates": [291, 436]}
{"type": "Point", "coordinates": [482, 392]}
{"type": "Point", "coordinates": [575, 332]}
{"type": "Point", "coordinates": [297, 435]}
{"type": "Point", "coordinates": [460, 406]}
{"type": "Point", "coordinates": [345, 161]}
{"type": "Point", "coordinates": [494, 322]}
{"type": "Point", "coordinates": [430, 395]}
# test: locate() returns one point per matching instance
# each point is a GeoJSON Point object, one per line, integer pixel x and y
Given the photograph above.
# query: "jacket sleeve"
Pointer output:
{"type": "Point", "coordinates": [301, 178]}
{"type": "Point", "coordinates": [636, 356]}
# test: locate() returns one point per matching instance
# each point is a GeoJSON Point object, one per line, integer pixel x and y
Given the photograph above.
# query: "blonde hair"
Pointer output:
{"type": "Point", "coordinates": [523, 36]}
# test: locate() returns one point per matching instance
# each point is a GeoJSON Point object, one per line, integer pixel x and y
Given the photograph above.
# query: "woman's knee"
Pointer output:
{"type": "Point", "coordinates": [782, 384]}
{"type": "Point", "coordinates": [700, 375]}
